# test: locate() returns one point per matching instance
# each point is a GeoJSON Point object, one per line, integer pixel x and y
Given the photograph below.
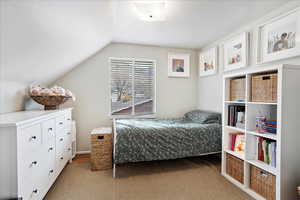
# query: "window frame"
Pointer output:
{"type": "Point", "coordinates": [132, 115]}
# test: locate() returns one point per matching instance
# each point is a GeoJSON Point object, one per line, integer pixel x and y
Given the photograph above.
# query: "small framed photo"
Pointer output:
{"type": "Point", "coordinates": [279, 38]}
{"type": "Point", "coordinates": [208, 61]}
{"type": "Point", "coordinates": [236, 52]}
{"type": "Point", "coordinates": [178, 65]}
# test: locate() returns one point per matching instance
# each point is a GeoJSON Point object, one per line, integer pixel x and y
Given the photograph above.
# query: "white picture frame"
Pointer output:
{"type": "Point", "coordinates": [236, 52]}
{"type": "Point", "coordinates": [279, 38]}
{"type": "Point", "coordinates": [208, 62]}
{"type": "Point", "coordinates": [178, 65]}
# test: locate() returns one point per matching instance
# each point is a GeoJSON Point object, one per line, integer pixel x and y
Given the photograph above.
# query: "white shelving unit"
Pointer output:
{"type": "Point", "coordinates": [287, 113]}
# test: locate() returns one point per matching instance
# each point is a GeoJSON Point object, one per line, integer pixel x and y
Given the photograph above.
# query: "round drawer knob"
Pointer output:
{"type": "Point", "coordinates": [69, 133]}
{"type": "Point", "coordinates": [33, 137]}
{"type": "Point", "coordinates": [51, 148]}
{"type": "Point", "coordinates": [35, 191]}
{"type": "Point", "coordinates": [61, 158]}
{"type": "Point", "coordinates": [50, 129]}
{"type": "Point", "coordinates": [61, 139]}
{"type": "Point", "coordinates": [61, 123]}
{"type": "Point", "coordinates": [34, 163]}
{"type": "Point", "coordinates": [51, 171]}
{"type": "Point", "coordinates": [69, 149]}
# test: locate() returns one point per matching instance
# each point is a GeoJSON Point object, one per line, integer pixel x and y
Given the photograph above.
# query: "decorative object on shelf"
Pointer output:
{"type": "Point", "coordinates": [208, 61]}
{"type": "Point", "coordinates": [259, 121]}
{"type": "Point", "coordinates": [298, 190]}
{"type": "Point", "coordinates": [178, 65]}
{"type": "Point", "coordinates": [51, 98]}
{"type": "Point", "coordinates": [238, 89]}
{"type": "Point", "coordinates": [264, 88]}
{"type": "Point", "coordinates": [277, 38]}
{"type": "Point", "coordinates": [240, 120]}
{"type": "Point", "coordinates": [236, 52]}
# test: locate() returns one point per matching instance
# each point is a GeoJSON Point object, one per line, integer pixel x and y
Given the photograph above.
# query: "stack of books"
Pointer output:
{"type": "Point", "coordinates": [237, 142]}
{"type": "Point", "coordinates": [266, 151]}
{"type": "Point", "coordinates": [270, 126]}
{"type": "Point", "coordinates": [233, 111]}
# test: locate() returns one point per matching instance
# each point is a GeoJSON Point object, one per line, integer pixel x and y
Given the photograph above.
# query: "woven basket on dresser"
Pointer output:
{"type": "Point", "coordinates": [101, 151]}
{"type": "Point", "coordinates": [50, 102]}
{"type": "Point", "coordinates": [237, 89]}
{"type": "Point", "coordinates": [264, 88]}
{"type": "Point", "coordinates": [263, 183]}
{"type": "Point", "coordinates": [235, 167]}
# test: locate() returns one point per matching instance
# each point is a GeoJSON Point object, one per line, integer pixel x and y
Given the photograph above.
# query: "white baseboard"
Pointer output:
{"type": "Point", "coordinates": [83, 152]}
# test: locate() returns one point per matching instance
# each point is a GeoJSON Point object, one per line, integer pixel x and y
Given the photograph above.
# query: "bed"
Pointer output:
{"type": "Point", "coordinates": [196, 133]}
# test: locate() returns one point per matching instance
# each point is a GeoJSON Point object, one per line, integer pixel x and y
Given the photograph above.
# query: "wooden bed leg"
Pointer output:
{"type": "Point", "coordinates": [114, 171]}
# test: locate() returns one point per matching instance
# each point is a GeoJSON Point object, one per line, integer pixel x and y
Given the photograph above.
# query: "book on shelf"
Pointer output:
{"type": "Point", "coordinates": [236, 115]}
{"type": "Point", "coordinates": [237, 142]}
{"type": "Point", "coordinates": [266, 151]}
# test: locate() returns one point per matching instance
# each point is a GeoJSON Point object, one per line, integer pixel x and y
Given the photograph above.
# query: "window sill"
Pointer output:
{"type": "Point", "coordinates": [131, 116]}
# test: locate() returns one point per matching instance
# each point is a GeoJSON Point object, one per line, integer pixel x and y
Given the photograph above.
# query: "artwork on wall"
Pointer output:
{"type": "Point", "coordinates": [236, 52]}
{"type": "Point", "coordinates": [277, 39]}
{"type": "Point", "coordinates": [178, 65]}
{"type": "Point", "coordinates": [208, 62]}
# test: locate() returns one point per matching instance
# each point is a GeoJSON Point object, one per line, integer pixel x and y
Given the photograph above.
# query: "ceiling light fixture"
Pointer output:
{"type": "Point", "coordinates": [151, 10]}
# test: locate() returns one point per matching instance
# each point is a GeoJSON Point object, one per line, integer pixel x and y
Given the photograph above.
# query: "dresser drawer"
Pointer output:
{"type": "Point", "coordinates": [60, 144]}
{"type": "Point", "coordinates": [48, 130]}
{"type": "Point", "coordinates": [31, 176]}
{"type": "Point", "coordinates": [60, 123]}
{"type": "Point", "coordinates": [31, 138]}
{"type": "Point", "coordinates": [68, 118]}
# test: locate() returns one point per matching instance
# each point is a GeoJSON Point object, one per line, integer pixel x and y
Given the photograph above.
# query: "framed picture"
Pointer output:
{"type": "Point", "coordinates": [208, 62]}
{"type": "Point", "coordinates": [178, 65]}
{"type": "Point", "coordinates": [236, 52]}
{"type": "Point", "coordinates": [279, 38]}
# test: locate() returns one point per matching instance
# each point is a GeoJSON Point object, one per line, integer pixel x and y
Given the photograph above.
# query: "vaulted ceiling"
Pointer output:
{"type": "Point", "coordinates": [43, 39]}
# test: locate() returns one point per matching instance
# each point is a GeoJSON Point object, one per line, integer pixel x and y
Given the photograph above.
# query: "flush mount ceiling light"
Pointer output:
{"type": "Point", "coordinates": [151, 10]}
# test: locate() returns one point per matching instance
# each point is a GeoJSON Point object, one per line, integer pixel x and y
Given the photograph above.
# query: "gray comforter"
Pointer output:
{"type": "Point", "coordinates": [161, 139]}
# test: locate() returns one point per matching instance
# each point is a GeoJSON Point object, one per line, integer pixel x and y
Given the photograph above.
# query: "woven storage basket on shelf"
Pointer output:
{"type": "Point", "coordinates": [101, 151]}
{"type": "Point", "coordinates": [50, 102]}
{"type": "Point", "coordinates": [238, 89]}
{"type": "Point", "coordinates": [264, 88]}
{"type": "Point", "coordinates": [263, 183]}
{"type": "Point", "coordinates": [235, 167]}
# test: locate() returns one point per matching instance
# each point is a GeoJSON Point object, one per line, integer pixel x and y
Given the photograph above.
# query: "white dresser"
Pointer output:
{"type": "Point", "coordinates": [34, 148]}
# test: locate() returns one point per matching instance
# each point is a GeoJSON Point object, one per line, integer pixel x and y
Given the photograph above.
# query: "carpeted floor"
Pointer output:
{"type": "Point", "coordinates": [183, 179]}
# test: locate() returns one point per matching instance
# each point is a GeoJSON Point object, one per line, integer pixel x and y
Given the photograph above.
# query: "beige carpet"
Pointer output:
{"type": "Point", "coordinates": [183, 179]}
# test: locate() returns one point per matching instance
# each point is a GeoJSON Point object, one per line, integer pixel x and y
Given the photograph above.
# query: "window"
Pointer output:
{"type": "Point", "coordinates": [132, 87]}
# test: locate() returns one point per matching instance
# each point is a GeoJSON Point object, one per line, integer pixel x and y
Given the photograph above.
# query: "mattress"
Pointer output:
{"type": "Point", "coordinates": [139, 140]}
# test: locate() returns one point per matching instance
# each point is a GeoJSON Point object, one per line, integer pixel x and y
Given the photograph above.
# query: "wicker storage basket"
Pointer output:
{"type": "Point", "coordinates": [235, 167]}
{"type": "Point", "coordinates": [101, 151]}
{"type": "Point", "coordinates": [263, 183]}
{"type": "Point", "coordinates": [238, 89]}
{"type": "Point", "coordinates": [264, 88]}
{"type": "Point", "coordinates": [50, 102]}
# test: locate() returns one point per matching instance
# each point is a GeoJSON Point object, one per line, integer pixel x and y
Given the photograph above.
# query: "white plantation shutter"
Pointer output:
{"type": "Point", "coordinates": [132, 87]}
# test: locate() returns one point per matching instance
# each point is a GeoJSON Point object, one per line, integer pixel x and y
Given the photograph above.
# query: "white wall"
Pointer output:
{"type": "Point", "coordinates": [210, 88]}
{"type": "Point", "coordinates": [90, 83]}
{"type": "Point", "coordinates": [42, 40]}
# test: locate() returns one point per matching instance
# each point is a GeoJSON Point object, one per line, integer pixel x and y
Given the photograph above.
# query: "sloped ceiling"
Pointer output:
{"type": "Point", "coordinates": [43, 39]}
